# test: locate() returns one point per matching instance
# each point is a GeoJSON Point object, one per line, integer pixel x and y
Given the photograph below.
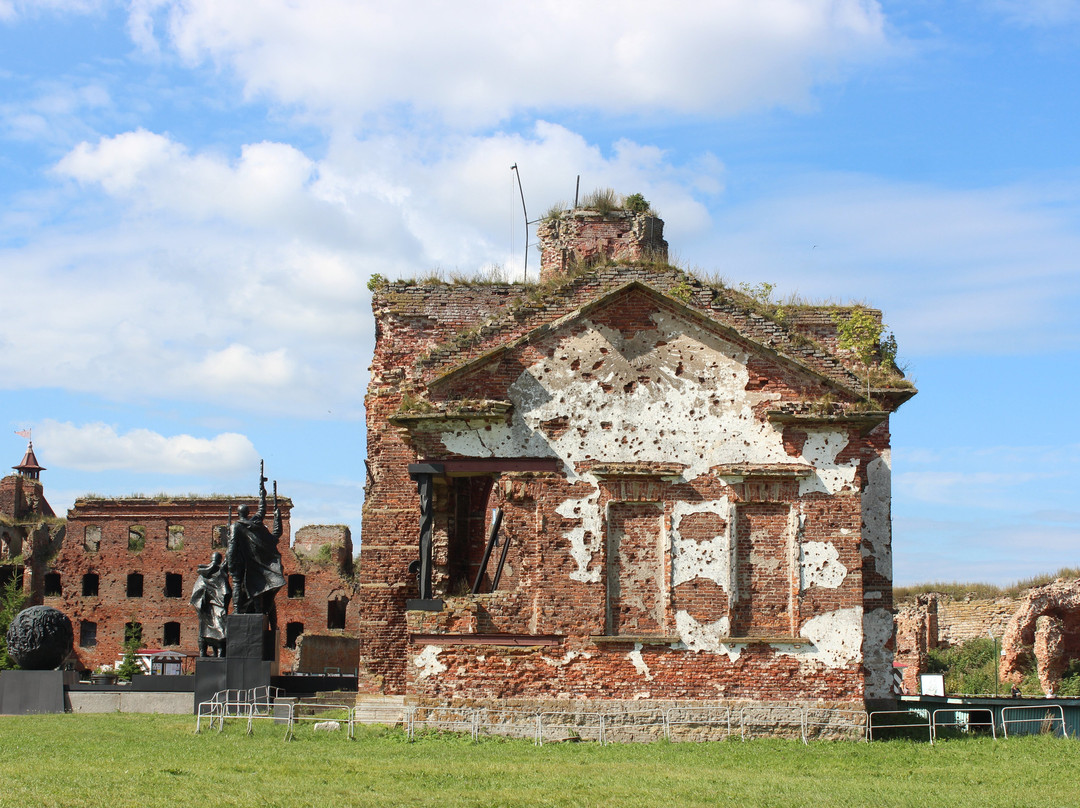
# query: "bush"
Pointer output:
{"type": "Point", "coordinates": [12, 601]}
{"type": "Point", "coordinates": [968, 668]}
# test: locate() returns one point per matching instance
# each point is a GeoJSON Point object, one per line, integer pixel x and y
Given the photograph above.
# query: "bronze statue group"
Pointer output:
{"type": "Point", "coordinates": [250, 573]}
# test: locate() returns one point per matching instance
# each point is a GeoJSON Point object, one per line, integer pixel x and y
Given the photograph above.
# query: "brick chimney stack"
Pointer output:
{"type": "Point", "coordinates": [585, 236]}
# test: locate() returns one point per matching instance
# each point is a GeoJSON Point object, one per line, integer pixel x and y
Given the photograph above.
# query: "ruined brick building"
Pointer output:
{"type": "Point", "coordinates": [118, 563]}
{"type": "Point", "coordinates": [29, 530]}
{"type": "Point", "coordinates": [689, 488]}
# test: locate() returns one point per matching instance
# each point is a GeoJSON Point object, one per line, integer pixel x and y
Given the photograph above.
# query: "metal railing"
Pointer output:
{"type": "Point", "coordinates": [970, 719]}
{"type": "Point", "coordinates": [1032, 724]}
{"type": "Point", "coordinates": [907, 725]}
{"type": "Point", "coordinates": [678, 723]}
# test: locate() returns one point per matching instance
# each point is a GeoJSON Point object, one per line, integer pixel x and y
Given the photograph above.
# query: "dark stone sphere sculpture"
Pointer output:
{"type": "Point", "coordinates": [40, 638]}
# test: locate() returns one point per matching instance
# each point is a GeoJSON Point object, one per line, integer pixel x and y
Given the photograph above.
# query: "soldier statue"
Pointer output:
{"type": "Point", "coordinates": [210, 596]}
{"type": "Point", "coordinates": [253, 558]}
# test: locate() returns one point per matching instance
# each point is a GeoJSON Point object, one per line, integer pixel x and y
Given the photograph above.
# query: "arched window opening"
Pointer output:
{"type": "Point", "coordinates": [134, 585]}
{"type": "Point", "coordinates": [292, 634]}
{"type": "Point", "coordinates": [90, 585]}
{"type": "Point", "coordinates": [335, 612]}
{"type": "Point", "coordinates": [52, 585]}
{"type": "Point", "coordinates": [297, 584]}
{"type": "Point", "coordinates": [87, 634]}
{"type": "Point", "coordinates": [171, 634]}
{"type": "Point", "coordinates": [174, 585]}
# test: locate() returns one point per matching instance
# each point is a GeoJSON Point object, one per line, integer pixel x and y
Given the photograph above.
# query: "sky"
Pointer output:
{"type": "Point", "coordinates": [194, 194]}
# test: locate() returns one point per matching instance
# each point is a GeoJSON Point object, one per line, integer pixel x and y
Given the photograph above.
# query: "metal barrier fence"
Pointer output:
{"type": "Point", "coordinates": [1030, 724]}
{"type": "Point", "coordinates": [905, 725]}
{"type": "Point", "coordinates": [971, 718]}
{"type": "Point", "coordinates": [679, 723]}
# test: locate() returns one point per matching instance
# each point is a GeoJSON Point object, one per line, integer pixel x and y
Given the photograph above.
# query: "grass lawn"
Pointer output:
{"type": "Point", "coordinates": [115, 761]}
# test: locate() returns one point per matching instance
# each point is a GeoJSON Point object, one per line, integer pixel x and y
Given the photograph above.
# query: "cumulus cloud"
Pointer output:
{"type": "Point", "coordinates": [479, 61]}
{"type": "Point", "coordinates": [98, 447]}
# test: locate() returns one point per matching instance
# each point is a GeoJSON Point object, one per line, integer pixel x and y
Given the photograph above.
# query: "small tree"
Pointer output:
{"type": "Point", "coordinates": [12, 601]}
{"type": "Point", "coordinates": [129, 666]}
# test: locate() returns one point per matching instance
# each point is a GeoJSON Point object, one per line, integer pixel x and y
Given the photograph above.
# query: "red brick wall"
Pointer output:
{"type": "Point", "coordinates": [113, 561]}
{"type": "Point", "coordinates": [422, 332]}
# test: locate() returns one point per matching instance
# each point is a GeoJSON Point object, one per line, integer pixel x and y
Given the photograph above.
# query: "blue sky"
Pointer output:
{"type": "Point", "coordinates": [194, 193]}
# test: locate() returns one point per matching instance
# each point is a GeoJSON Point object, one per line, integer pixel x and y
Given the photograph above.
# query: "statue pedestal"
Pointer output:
{"type": "Point", "coordinates": [251, 658]}
{"type": "Point", "coordinates": [30, 692]}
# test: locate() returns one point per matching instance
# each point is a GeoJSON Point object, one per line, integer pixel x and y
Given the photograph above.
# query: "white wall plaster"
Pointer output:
{"type": "Point", "coordinates": [836, 639]}
{"type": "Point", "coordinates": [877, 657]}
{"type": "Point", "coordinates": [698, 636]}
{"type": "Point", "coordinates": [709, 559]}
{"type": "Point", "coordinates": [428, 662]}
{"type": "Point", "coordinates": [819, 565]}
{"type": "Point", "coordinates": [568, 657]}
{"type": "Point", "coordinates": [586, 539]}
{"type": "Point", "coordinates": [877, 513]}
{"type": "Point", "coordinates": [638, 661]}
{"type": "Point", "coordinates": [820, 451]}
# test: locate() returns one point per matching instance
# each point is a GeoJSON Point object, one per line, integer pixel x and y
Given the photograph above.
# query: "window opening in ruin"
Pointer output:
{"type": "Point", "coordinates": [635, 569]}
{"type": "Point", "coordinates": [220, 537]}
{"type": "Point", "coordinates": [171, 634]}
{"type": "Point", "coordinates": [466, 534]}
{"type": "Point", "coordinates": [134, 585]}
{"type": "Point", "coordinates": [10, 546]}
{"type": "Point", "coordinates": [136, 538]}
{"type": "Point", "coordinates": [174, 585]}
{"type": "Point", "coordinates": [90, 585]}
{"type": "Point", "coordinates": [335, 612]}
{"type": "Point", "coordinates": [91, 538]}
{"type": "Point", "coordinates": [174, 540]}
{"type": "Point", "coordinates": [763, 571]}
{"type": "Point", "coordinates": [52, 585]}
{"type": "Point", "coordinates": [296, 585]}
{"type": "Point", "coordinates": [87, 634]}
{"type": "Point", "coordinates": [292, 633]}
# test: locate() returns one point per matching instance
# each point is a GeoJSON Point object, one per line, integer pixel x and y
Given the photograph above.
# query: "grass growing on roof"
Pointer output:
{"type": "Point", "coordinates": [123, 760]}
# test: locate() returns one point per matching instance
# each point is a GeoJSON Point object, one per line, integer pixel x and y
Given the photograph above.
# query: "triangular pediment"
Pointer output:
{"type": "Point", "coordinates": [627, 324]}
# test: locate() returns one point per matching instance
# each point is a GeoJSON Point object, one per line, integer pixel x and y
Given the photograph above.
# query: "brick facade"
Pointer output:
{"type": "Point", "coordinates": [135, 559]}
{"type": "Point", "coordinates": [694, 496]}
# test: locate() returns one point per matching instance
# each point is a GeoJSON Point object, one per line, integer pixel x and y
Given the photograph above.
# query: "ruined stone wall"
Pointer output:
{"type": "Point", "coordinates": [749, 559]}
{"type": "Point", "coordinates": [589, 237]}
{"type": "Point", "coordinates": [102, 540]}
{"type": "Point", "coordinates": [963, 620]}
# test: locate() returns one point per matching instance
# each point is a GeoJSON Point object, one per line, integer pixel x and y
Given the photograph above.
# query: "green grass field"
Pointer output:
{"type": "Point", "coordinates": [115, 761]}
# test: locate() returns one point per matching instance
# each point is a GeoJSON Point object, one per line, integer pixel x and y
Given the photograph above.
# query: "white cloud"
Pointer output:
{"type": "Point", "coordinates": [478, 61]}
{"type": "Point", "coordinates": [10, 9]}
{"type": "Point", "coordinates": [194, 275]}
{"type": "Point", "coordinates": [1036, 13]}
{"type": "Point", "coordinates": [988, 270]}
{"type": "Point", "coordinates": [98, 447]}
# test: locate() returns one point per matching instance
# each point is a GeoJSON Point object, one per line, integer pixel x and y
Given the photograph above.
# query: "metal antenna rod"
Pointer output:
{"type": "Point", "coordinates": [517, 174]}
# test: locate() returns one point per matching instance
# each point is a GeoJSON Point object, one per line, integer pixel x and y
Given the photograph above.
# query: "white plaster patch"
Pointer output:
{"type": "Point", "coordinates": [568, 657]}
{"type": "Point", "coordinates": [638, 661]}
{"type": "Point", "coordinates": [820, 451]}
{"type": "Point", "coordinates": [835, 637]}
{"type": "Point", "coordinates": [877, 514]}
{"type": "Point", "coordinates": [819, 565]}
{"type": "Point", "coordinates": [697, 636]}
{"type": "Point", "coordinates": [877, 656]}
{"type": "Point", "coordinates": [428, 662]}
{"type": "Point", "coordinates": [674, 394]}
{"type": "Point", "coordinates": [585, 540]}
{"type": "Point", "coordinates": [709, 559]}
